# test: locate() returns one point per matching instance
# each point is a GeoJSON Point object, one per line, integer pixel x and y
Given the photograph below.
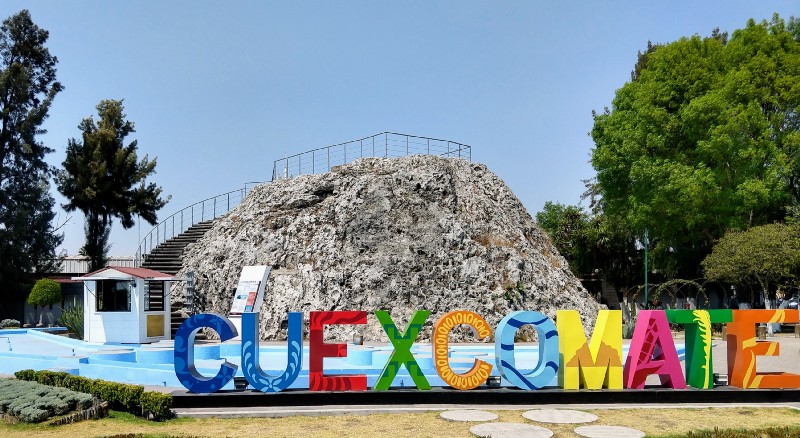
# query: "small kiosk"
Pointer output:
{"type": "Point", "coordinates": [126, 305]}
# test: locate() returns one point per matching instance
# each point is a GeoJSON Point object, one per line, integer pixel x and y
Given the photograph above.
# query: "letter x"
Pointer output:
{"type": "Point", "coordinates": [402, 344]}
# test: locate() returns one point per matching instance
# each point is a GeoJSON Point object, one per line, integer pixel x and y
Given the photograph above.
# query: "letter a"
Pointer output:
{"type": "Point", "coordinates": [652, 351]}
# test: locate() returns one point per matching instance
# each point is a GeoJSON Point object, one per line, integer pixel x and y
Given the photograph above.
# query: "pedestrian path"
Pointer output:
{"type": "Point", "coordinates": [526, 430]}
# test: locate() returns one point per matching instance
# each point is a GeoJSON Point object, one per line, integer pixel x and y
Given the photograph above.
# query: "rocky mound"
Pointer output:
{"type": "Point", "coordinates": [400, 234]}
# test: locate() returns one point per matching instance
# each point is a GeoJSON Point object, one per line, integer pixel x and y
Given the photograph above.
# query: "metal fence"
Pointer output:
{"type": "Point", "coordinates": [385, 144]}
{"type": "Point", "coordinates": [177, 223]}
{"type": "Point", "coordinates": [80, 265]}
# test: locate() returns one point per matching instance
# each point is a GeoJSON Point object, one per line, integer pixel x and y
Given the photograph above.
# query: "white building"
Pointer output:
{"type": "Point", "coordinates": [126, 305]}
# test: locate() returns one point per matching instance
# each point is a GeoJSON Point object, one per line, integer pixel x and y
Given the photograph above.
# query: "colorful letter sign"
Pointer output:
{"type": "Point", "coordinates": [317, 381]}
{"type": "Point", "coordinates": [592, 365]}
{"type": "Point", "coordinates": [441, 330]}
{"type": "Point", "coordinates": [743, 349]}
{"type": "Point", "coordinates": [652, 351]}
{"type": "Point", "coordinates": [402, 356]}
{"type": "Point", "coordinates": [252, 371]}
{"type": "Point", "coordinates": [547, 365]}
{"type": "Point", "coordinates": [563, 351]}
{"type": "Point", "coordinates": [184, 353]}
{"type": "Point", "coordinates": [697, 323]}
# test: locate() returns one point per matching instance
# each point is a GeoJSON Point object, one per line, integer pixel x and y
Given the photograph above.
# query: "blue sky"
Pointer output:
{"type": "Point", "coordinates": [219, 90]}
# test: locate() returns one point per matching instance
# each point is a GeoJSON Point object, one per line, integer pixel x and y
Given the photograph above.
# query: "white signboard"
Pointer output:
{"type": "Point", "coordinates": [250, 290]}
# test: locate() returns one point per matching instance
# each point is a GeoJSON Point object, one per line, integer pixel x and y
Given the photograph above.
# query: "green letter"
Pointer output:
{"type": "Point", "coordinates": [402, 350]}
{"type": "Point", "coordinates": [699, 365]}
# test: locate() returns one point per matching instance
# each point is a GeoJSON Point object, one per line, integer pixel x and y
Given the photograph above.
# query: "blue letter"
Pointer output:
{"type": "Point", "coordinates": [547, 366]}
{"type": "Point", "coordinates": [252, 371]}
{"type": "Point", "coordinates": [184, 353]}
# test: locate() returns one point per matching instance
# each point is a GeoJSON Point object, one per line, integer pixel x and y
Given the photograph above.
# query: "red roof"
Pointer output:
{"type": "Point", "coordinates": [136, 272]}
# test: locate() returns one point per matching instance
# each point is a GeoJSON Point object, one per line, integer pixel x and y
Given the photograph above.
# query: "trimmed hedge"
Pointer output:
{"type": "Point", "coordinates": [33, 402]}
{"type": "Point", "coordinates": [120, 396]}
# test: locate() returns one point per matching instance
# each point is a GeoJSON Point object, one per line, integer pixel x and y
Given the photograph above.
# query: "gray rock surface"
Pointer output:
{"type": "Point", "coordinates": [399, 234]}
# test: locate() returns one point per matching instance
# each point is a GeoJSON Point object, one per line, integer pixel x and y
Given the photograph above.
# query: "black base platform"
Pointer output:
{"type": "Point", "coordinates": [506, 396]}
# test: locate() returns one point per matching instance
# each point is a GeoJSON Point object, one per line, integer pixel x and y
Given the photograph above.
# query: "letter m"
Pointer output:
{"type": "Point", "coordinates": [594, 365]}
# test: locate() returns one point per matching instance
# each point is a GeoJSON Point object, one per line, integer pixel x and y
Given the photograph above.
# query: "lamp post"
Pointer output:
{"type": "Point", "coordinates": [646, 285]}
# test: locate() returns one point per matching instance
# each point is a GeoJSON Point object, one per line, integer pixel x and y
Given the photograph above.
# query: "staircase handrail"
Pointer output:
{"type": "Point", "coordinates": [389, 144]}
{"type": "Point", "coordinates": [180, 221]}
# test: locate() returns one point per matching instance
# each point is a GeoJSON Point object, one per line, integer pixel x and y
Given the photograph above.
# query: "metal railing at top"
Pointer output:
{"type": "Point", "coordinates": [177, 223]}
{"type": "Point", "coordinates": [385, 144]}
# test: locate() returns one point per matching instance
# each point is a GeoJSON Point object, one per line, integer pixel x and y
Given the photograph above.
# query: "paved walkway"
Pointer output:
{"type": "Point", "coordinates": [288, 411]}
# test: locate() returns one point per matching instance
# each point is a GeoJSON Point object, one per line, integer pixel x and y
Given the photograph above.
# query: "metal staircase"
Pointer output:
{"type": "Point", "coordinates": [168, 258]}
{"type": "Point", "coordinates": [162, 248]}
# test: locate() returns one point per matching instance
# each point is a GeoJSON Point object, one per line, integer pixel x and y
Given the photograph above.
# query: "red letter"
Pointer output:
{"type": "Point", "coordinates": [318, 350]}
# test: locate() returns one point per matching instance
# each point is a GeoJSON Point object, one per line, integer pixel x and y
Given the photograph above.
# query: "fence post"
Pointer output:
{"type": "Point", "coordinates": [406, 145]}
{"type": "Point", "coordinates": [229, 201]}
{"type": "Point", "coordinates": [386, 145]}
{"type": "Point", "coordinates": [313, 166]}
{"type": "Point", "coordinates": [215, 208]}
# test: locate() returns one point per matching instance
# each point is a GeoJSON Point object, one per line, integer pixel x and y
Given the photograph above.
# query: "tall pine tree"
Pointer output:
{"type": "Point", "coordinates": [27, 88]}
{"type": "Point", "coordinates": [104, 179]}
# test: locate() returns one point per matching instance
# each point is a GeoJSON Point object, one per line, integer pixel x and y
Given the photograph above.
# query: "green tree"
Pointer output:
{"type": "Point", "coordinates": [104, 179]}
{"type": "Point", "coordinates": [705, 138]}
{"type": "Point", "coordinates": [567, 226]}
{"type": "Point", "coordinates": [593, 243]}
{"type": "Point", "coordinates": [45, 292]}
{"type": "Point", "coordinates": [764, 255]}
{"type": "Point", "coordinates": [27, 88]}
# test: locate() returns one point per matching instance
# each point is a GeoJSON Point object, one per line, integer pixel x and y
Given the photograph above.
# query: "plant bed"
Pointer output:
{"type": "Point", "coordinates": [33, 402]}
{"type": "Point", "coordinates": [152, 405]}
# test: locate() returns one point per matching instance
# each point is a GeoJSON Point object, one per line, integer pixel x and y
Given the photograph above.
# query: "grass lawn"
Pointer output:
{"type": "Point", "coordinates": [655, 422]}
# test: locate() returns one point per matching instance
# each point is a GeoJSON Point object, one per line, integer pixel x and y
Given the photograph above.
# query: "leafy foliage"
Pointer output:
{"type": "Point", "coordinates": [705, 138]}
{"type": "Point", "coordinates": [72, 319]}
{"type": "Point", "coordinates": [104, 179]}
{"type": "Point", "coordinates": [8, 323]}
{"type": "Point", "coordinates": [45, 292]}
{"type": "Point", "coordinates": [130, 398]}
{"type": "Point", "coordinates": [593, 243]}
{"type": "Point", "coordinates": [27, 88]}
{"type": "Point", "coordinates": [33, 402]}
{"type": "Point", "coordinates": [764, 254]}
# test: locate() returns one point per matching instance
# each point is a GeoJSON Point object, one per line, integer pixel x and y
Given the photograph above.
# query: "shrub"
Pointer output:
{"type": "Point", "coordinates": [157, 404]}
{"type": "Point", "coordinates": [8, 323]}
{"type": "Point", "coordinates": [72, 319]}
{"type": "Point", "coordinates": [33, 415]}
{"type": "Point", "coordinates": [120, 396]}
{"type": "Point", "coordinates": [34, 402]}
{"type": "Point", "coordinates": [45, 292]}
{"type": "Point", "coordinates": [627, 329]}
